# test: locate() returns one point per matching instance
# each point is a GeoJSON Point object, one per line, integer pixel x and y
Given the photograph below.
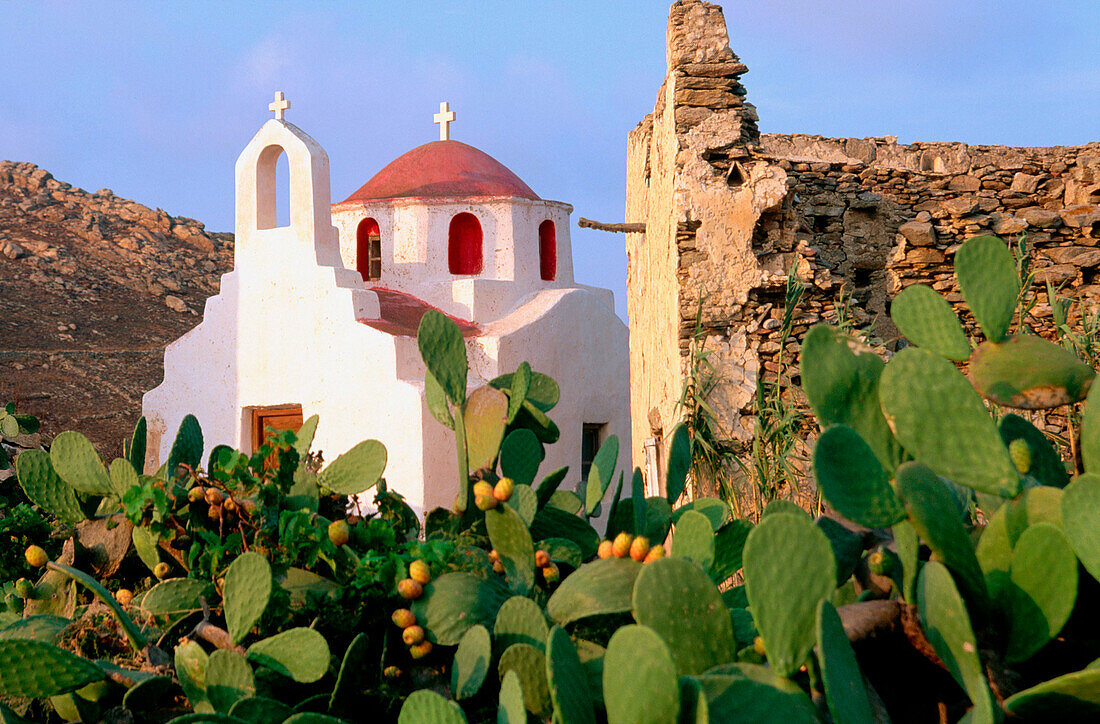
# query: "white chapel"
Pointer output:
{"type": "Point", "coordinates": [320, 316]}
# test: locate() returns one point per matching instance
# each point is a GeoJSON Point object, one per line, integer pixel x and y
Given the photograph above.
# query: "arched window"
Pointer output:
{"type": "Point", "coordinates": [464, 244]}
{"type": "Point", "coordinates": [548, 251]}
{"type": "Point", "coordinates": [272, 182]}
{"type": "Point", "coordinates": [368, 250]}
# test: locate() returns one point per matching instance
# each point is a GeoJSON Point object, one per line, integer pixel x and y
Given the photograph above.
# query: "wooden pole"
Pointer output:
{"type": "Point", "coordinates": [629, 227]}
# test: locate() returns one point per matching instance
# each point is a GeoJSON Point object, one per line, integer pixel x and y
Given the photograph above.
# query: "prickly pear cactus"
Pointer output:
{"type": "Point", "coordinates": [784, 590]}
{"type": "Point", "coordinates": [601, 473]}
{"type": "Point", "coordinates": [988, 280]}
{"type": "Point", "coordinates": [638, 660]}
{"type": "Point", "coordinates": [844, 689]}
{"type": "Point", "coordinates": [927, 320]}
{"type": "Point", "coordinates": [43, 486]}
{"type": "Point", "coordinates": [520, 621]}
{"type": "Point", "coordinates": [485, 416]}
{"type": "Point", "coordinates": [187, 447]}
{"type": "Point", "coordinates": [228, 678]}
{"type": "Point", "coordinates": [567, 680]}
{"type": "Point", "coordinates": [471, 662]}
{"type": "Point", "coordinates": [454, 602]}
{"type": "Point", "coordinates": [247, 591]}
{"type": "Point", "coordinates": [677, 599]}
{"type": "Point", "coordinates": [510, 708]}
{"type": "Point", "coordinates": [512, 540]}
{"type": "Point", "coordinates": [357, 470]}
{"type": "Point", "coordinates": [529, 664]}
{"type": "Point", "coordinates": [425, 706]}
{"type": "Point", "coordinates": [694, 539]}
{"type": "Point", "coordinates": [78, 464]}
{"type": "Point", "coordinates": [521, 453]}
{"type": "Point", "coordinates": [1030, 373]}
{"type": "Point", "coordinates": [301, 654]}
{"type": "Point", "coordinates": [853, 480]}
{"type": "Point", "coordinates": [36, 669]}
{"type": "Point", "coordinates": [1081, 520]}
{"type": "Point", "coordinates": [598, 587]}
{"type": "Point", "coordinates": [444, 352]}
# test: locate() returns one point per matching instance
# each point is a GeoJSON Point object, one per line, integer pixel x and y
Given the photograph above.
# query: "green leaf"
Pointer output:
{"type": "Point", "coordinates": [988, 280]}
{"type": "Point", "coordinates": [1067, 698]}
{"type": "Point", "coordinates": [36, 669]}
{"type": "Point", "coordinates": [1081, 520]}
{"type": "Point", "coordinates": [542, 392]}
{"type": "Point", "coordinates": [228, 678]}
{"type": "Point", "coordinates": [694, 539]}
{"type": "Point", "coordinates": [512, 540]}
{"type": "Point", "coordinates": [567, 680]}
{"type": "Point", "coordinates": [454, 602]}
{"type": "Point", "coordinates": [928, 320]}
{"type": "Point", "coordinates": [304, 437]}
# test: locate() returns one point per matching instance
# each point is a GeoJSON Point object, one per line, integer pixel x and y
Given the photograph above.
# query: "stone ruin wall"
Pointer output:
{"type": "Point", "coordinates": [729, 211]}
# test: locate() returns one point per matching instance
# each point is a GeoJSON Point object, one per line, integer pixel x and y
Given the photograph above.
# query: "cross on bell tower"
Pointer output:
{"type": "Point", "coordinates": [444, 118]}
{"type": "Point", "coordinates": [279, 106]}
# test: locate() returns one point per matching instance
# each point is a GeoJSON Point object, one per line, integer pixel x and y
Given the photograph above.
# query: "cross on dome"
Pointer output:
{"type": "Point", "coordinates": [444, 118]}
{"type": "Point", "coordinates": [279, 106]}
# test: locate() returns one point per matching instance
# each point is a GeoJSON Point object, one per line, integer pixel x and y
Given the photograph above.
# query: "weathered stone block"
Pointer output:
{"type": "Point", "coordinates": [1040, 218]}
{"type": "Point", "coordinates": [1082, 216]}
{"type": "Point", "coordinates": [918, 233]}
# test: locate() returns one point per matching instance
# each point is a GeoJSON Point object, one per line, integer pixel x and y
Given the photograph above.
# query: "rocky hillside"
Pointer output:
{"type": "Point", "coordinates": [92, 288]}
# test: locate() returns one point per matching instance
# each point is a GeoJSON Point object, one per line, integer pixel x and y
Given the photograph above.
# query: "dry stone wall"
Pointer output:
{"type": "Point", "coordinates": [729, 212]}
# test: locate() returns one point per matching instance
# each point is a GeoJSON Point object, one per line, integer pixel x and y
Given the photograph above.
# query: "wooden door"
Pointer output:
{"type": "Point", "coordinates": [277, 418]}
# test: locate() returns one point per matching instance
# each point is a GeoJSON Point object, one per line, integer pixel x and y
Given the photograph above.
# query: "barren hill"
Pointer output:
{"type": "Point", "coordinates": [92, 288]}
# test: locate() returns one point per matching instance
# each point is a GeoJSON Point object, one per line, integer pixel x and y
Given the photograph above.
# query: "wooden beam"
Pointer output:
{"type": "Point", "coordinates": [629, 227]}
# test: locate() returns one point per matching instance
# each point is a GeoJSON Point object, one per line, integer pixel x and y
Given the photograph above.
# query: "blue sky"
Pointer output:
{"type": "Point", "coordinates": [155, 100]}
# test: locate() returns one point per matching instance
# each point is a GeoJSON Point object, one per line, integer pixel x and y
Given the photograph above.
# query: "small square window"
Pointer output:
{"type": "Point", "coordinates": [276, 418]}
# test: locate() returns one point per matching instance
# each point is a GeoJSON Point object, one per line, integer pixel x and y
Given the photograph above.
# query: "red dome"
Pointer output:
{"type": "Point", "coordinates": [443, 168]}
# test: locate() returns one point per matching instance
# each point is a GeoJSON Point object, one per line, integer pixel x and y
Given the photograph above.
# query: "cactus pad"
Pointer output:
{"type": "Point", "coordinates": [987, 278]}
{"type": "Point", "coordinates": [444, 353]}
{"type": "Point", "coordinates": [932, 513]}
{"type": "Point", "coordinates": [299, 653]}
{"type": "Point", "coordinates": [1081, 520]}
{"type": "Point", "coordinates": [37, 669]}
{"type": "Point", "coordinates": [601, 473]}
{"type": "Point", "coordinates": [454, 602]}
{"type": "Point", "coordinates": [715, 510]}
{"type": "Point", "coordinates": [844, 689]}
{"type": "Point", "coordinates": [789, 569]}
{"type": "Point", "coordinates": [228, 678]}
{"type": "Point", "coordinates": [549, 485]}
{"type": "Point", "coordinates": [512, 540]}
{"type": "Point", "coordinates": [191, 661]}
{"type": "Point", "coordinates": [679, 461]}
{"type": "Point", "coordinates": [357, 470]}
{"type": "Point", "coordinates": [755, 694]}
{"type": "Point", "coordinates": [352, 676]}
{"type": "Point", "coordinates": [1046, 464]}
{"type": "Point", "coordinates": [174, 597]}
{"type": "Point", "coordinates": [135, 453]}
{"type": "Point", "coordinates": [525, 502]}
{"type": "Point", "coordinates": [471, 662]}
{"type": "Point", "coordinates": [485, 416]}
{"type": "Point", "coordinates": [521, 453]}
{"type": "Point", "coordinates": [436, 400]}
{"type": "Point", "coordinates": [529, 664]}
{"type": "Point", "coordinates": [1041, 590]}
{"type": "Point", "coordinates": [260, 710]}
{"type": "Point", "coordinates": [919, 387]}
{"type": "Point", "coordinates": [927, 320]}
{"type": "Point", "coordinates": [520, 621]}
{"type": "Point", "coordinates": [694, 539]}
{"type": "Point", "coordinates": [1029, 372]}
{"type": "Point", "coordinates": [853, 480]}
{"type": "Point", "coordinates": [510, 708]}
{"type": "Point", "coordinates": [638, 660]}
{"type": "Point", "coordinates": [946, 624]}
{"type": "Point", "coordinates": [841, 380]}
{"type": "Point", "coordinates": [246, 593]}
{"type": "Point", "coordinates": [599, 587]}
{"type": "Point", "coordinates": [187, 447]}
{"type": "Point", "coordinates": [425, 706]}
{"type": "Point", "coordinates": [45, 489]}
{"type": "Point", "coordinates": [78, 464]}
{"type": "Point", "coordinates": [1070, 697]}
{"type": "Point", "coordinates": [729, 543]}
{"type": "Point", "coordinates": [675, 598]}
{"type": "Point", "coordinates": [567, 680]}
{"type": "Point", "coordinates": [693, 702]}
{"type": "Point", "coordinates": [555, 523]}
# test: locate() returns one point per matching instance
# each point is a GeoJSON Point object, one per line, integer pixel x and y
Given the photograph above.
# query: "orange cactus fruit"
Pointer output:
{"type": "Point", "coordinates": [412, 635]}
{"type": "Point", "coordinates": [542, 558]}
{"type": "Point", "coordinates": [419, 571]}
{"type": "Point", "coordinates": [409, 589]}
{"type": "Point", "coordinates": [504, 488]}
{"type": "Point", "coordinates": [604, 551]}
{"type": "Point", "coordinates": [214, 496]}
{"type": "Point", "coordinates": [403, 618]}
{"type": "Point", "coordinates": [498, 567]}
{"type": "Point", "coordinates": [483, 488]}
{"type": "Point", "coordinates": [421, 649]}
{"type": "Point", "coordinates": [639, 548]}
{"type": "Point", "coordinates": [494, 556]}
{"type": "Point", "coordinates": [758, 645]}
{"type": "Point", "coordinates": [654, 553]}
{"type": "Point", "coordinates": [621, 547]}
{"type": "Point", "coordinates": [551, 574]}
{"type": "Point", "coordinates": [392, 672]}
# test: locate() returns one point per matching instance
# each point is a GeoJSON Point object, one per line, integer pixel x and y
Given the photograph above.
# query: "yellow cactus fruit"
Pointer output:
{"type": "Point", "coordinates": [392, 672]}
{"type": "Point", "coordinates": [196, 494]}
{"type": "Point", "coordinates": [214, 496]}
{"type": "Point", "coordinates": [485, 502]}
{"type": "Point", "coordinates": [339, 532]}
{"type": "Point", "coordinates": [1020, 452]}
{"type": "Point", "coordinates": [498, 567]}
{"type": "Point", "coordinates": [551, 573]}
{"type": "Point", "coordinates": [124, 596]}
{"type": "Point", "coordinates": [409, 589]}
{"type": "Point", "coordinates": [654, 553]}
{"type": "Point", "coordinates": [24, 588]}
{"type": "Point", "coordinates": [412, 635]}
{"type": "Point", "coordinates": [542, 558]}
{"type": "Point", "coordinates": [419, 571]}
{"type": "Point", "coordinates": [639, 548]}
{"type": "Point", "coordinates": [502, 491]}
{"type": "Point", "coordinates": [758, 645]}
{"type": "Point", "coordinates": [483, 488]}
{"type": "Point", "coordinates": [620, 548]}
{"type": "Point", "coordinates": [604, 550]}
{"type": "Point", "coordinates": [403, 618]}
{"type": "Point", "coordinates": [161, 570]}
{"type": "Point", "coordinates": [494, 556]}
{"type": "Point", "coordinates": [421, 649]}
{"type": "Point", "coordinates": [36, 556]}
